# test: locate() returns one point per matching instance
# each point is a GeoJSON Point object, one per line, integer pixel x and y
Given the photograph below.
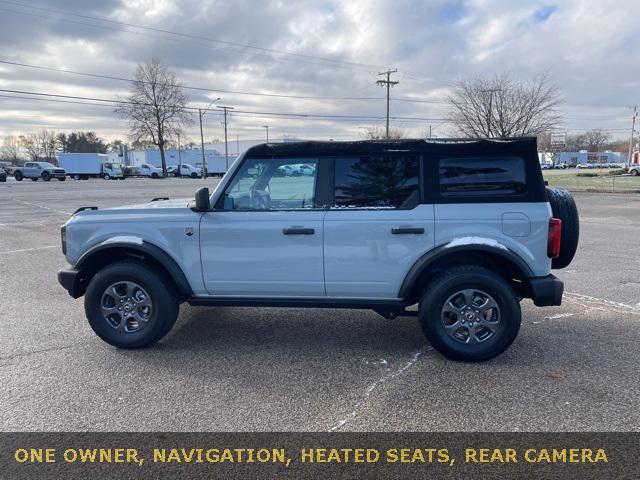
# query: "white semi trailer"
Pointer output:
{"type": "Point", "coordinates": [81, 166]}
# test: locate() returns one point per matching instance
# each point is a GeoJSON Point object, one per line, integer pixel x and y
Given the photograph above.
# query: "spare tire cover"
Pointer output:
{"type": "Point", "coordinates": [564, 207]}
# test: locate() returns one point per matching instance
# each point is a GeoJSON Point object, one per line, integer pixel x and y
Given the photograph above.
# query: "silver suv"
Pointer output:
{"type": "Point", "coordinates": [465, 229]}
{"type": "Point", "coordinates": [36, 170]}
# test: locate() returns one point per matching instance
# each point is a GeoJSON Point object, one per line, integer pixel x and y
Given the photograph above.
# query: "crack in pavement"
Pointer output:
{"type": "Point", "coordinates": [387, 375]}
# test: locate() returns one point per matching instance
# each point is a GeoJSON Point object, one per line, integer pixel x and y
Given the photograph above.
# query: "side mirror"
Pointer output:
{"type": "Point", "coordinates": [203, 203]}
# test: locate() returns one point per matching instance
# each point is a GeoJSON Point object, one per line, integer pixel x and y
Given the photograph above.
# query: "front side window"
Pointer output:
{"type": "Point", "coordinates": [273, 184]}
{"type": "Point", "coordinates": [482, 176]}
{"type": "Point", "coordinates": [377, 182]}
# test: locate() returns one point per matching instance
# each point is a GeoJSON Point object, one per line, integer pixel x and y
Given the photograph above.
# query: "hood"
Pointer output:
{"type": "Point", "coordinates": [173, 203]}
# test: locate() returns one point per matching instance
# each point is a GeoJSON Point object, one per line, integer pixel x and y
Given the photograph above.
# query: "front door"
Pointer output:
{"type": "Point", "coordinates": [265, 237]}
{"type": "Point", "coordinates": [377, 227]}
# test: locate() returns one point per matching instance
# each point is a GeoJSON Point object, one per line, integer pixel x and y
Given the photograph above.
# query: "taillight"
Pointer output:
{"type": "Point", "coordinates": [553, 241]}
{"type": "Point", "coordinates": [63, 238]}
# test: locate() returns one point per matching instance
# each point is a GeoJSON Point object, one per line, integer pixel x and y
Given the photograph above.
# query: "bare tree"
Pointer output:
{"type": "Point", "coordinates": [503, 107]}
{"type": "Point", "coordinates": [47, 144]}
{"type": "Point", "coordinates": [594, 140]}
{"type": "Point", "coordinates": [156, 106]}
{"type": "Point", "coordinates": [11, 149]}
{"type": "Point", "coordinates": [30, 143]}
{"type": "Point", "coordinates": [377, 132]}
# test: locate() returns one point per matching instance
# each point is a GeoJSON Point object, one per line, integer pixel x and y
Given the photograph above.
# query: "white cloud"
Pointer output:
{"type": "Point", "coordinates": [587, 47]}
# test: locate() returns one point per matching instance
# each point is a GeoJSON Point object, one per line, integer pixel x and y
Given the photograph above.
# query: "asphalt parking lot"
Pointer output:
{"type": "Point", "coordinates": [572, 368]}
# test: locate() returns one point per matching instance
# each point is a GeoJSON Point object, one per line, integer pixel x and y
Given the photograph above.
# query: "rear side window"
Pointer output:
{"type": "Point", "coordinates": [475, 176]}
{"type": "Point", "coordinates": [377, 181]}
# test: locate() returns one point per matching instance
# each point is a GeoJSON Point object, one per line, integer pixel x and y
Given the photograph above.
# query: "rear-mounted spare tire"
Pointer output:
{"type": "Point", "coordinates": [564, 207]}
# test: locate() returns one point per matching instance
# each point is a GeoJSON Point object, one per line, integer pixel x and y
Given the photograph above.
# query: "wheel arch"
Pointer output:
{"type": "Point", "coordinates": [104, 254]}
{"type": "Point", "coordinates": [497, 258]}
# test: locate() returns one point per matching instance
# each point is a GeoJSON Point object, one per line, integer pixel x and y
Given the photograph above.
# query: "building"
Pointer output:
{"type": "Point", "coordinates": [584, 158]}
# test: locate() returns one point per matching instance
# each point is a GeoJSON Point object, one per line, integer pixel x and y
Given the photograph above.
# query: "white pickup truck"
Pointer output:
{"type": "Point", "coordinates": [36, 170]}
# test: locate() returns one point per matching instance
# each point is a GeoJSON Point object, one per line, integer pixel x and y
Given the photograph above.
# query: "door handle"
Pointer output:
{"type": "Point", "coordinates": [407, 230]}
{"type": "Point", "coordinates": [298, 231]}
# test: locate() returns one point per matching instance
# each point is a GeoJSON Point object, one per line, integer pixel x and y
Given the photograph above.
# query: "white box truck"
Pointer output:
{"type": "Point", "coordinates": [81, 166]}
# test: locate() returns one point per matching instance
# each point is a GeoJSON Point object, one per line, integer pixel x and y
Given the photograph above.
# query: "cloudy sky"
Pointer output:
{"type": "Point", "coordinates": [329, 50]}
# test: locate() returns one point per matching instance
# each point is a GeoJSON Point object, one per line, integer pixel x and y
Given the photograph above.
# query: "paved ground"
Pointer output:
{"type": "Point", "coordinates": [572, 367]}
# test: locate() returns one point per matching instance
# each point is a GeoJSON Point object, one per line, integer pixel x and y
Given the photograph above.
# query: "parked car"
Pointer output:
{"type": "Point", "coordinates": [634, 170]}
{"type": "Point", "coordinates": [464, 229]}
{"type": "Point", "coordinates": [3, 175]}
{"type": "Point", "coordinates": [148, 170]}
{"type": "Point", "coordinates": [36, 170]}
{"type": "Point", "coordinates": [186, 170]}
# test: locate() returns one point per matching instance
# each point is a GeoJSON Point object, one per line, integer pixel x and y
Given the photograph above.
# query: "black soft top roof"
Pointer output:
{"type": "Point", "coordinates": [457, 146]}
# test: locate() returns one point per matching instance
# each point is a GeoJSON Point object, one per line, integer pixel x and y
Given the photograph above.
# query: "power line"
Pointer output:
{"type": "Point", "coordinates": [235, 45]}
{"type": "Point", "coordinates": [111, 102]}
{"type": "Point", "coordinates": [214, 90]}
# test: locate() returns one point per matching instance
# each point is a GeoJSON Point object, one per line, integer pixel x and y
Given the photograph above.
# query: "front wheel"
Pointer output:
{"type": "Point", "coordinates": [107, 176]}
{"type": "Point", "coordinates": [194, 175]}
{"type": "Point", "coordinates": [18, 176]}
{"type": "Point", "coordinates": [46, 176]}
{"type": "Point", "coordinates": [131, 305]}
{"type": "Point", "coordinates": [635, 173]}
{"type": "Point", "coordinates": [470, 314]}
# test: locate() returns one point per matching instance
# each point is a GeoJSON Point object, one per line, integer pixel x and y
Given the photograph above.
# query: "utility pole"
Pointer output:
{"type": "Point", "coordinates": [201, 114]}
{"type": "Point", "coordinates": [633, 129]}
{"type": "Point", "coordinates": [179, 158]}
{"type": "Point", "coordinates": [388, 83]}
{"type": "Point", "coordinates": [490, 91]}
{"type": "Point", "coordinates": [204, 162]}
{"type": "Point", "coordinates": [226, 144]}
{"type": "Point", "coordinates": [266, 127]}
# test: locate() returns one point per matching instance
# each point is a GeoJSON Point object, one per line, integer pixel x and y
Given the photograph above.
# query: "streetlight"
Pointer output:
{"type": "Point", "coordinates": [266, 127]}
{"type": "Point", "coordinates": [201, 113]}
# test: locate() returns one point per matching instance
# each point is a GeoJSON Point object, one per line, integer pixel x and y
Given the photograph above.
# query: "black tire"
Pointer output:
{"type": "Point", "coordinates": [564, 207]}
{"type": "Point", "coordinates": [154, 175]}
{"type": "Point", "coordinates": [106, 176]}
{"type": "Point", "coordinates": [443, 287]}
{"type": "Point", "coordinates": [76, 177]}
{"type": "Point", "coordinates": [18, 176]}
{"type": "Point", "coordinates": [46, 176]}
{"type": "Point", "coordinates": [635, 172]}
{"type": "Point", "coordinates": [3, 179]}
{"type": "Point", "coordinates": [164, 304]}
{"type": "Point", "coordinates": [194, 175]}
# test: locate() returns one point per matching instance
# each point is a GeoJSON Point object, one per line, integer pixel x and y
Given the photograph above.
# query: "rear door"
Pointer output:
{"type": "Point", "coordinates": [377, 226]}
{"type": "Point", "coordinates": [265, 237]}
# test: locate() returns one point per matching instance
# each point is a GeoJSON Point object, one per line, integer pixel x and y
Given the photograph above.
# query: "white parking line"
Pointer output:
{"type": "Point", "coordinates": [63, 212]}
{"type": "Point", "coordinates": [29, 249]}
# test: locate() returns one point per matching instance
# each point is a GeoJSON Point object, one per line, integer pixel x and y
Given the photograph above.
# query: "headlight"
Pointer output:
{"type": "Point", "coordinates": [63, 238]}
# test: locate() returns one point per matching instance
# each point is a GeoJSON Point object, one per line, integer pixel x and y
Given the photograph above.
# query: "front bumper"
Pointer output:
{"type": "Point", "coordinates": [546, 291]}
{"type": "Point", "coordinates": [73, 281]}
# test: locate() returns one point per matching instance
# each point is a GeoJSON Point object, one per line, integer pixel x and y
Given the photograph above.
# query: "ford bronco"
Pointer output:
{"type": "Point", "coordinates": [463, 228]}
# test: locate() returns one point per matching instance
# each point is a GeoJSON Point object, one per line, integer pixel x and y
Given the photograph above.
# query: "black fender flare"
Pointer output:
{"type": "Point", "coordinates": [144, 248]}
{"type": "Point", "coordinates": [430, 257]}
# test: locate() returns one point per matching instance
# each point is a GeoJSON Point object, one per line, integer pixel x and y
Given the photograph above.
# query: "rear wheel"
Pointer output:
{"type": "Point", "coordinates": [76, 177]}
{"type": "Point", "coordinates": [131, 305]}
{"type": "Point", "coordinates": [18, 176]}
{"type": "Point", "coordinates": [470, 314]}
